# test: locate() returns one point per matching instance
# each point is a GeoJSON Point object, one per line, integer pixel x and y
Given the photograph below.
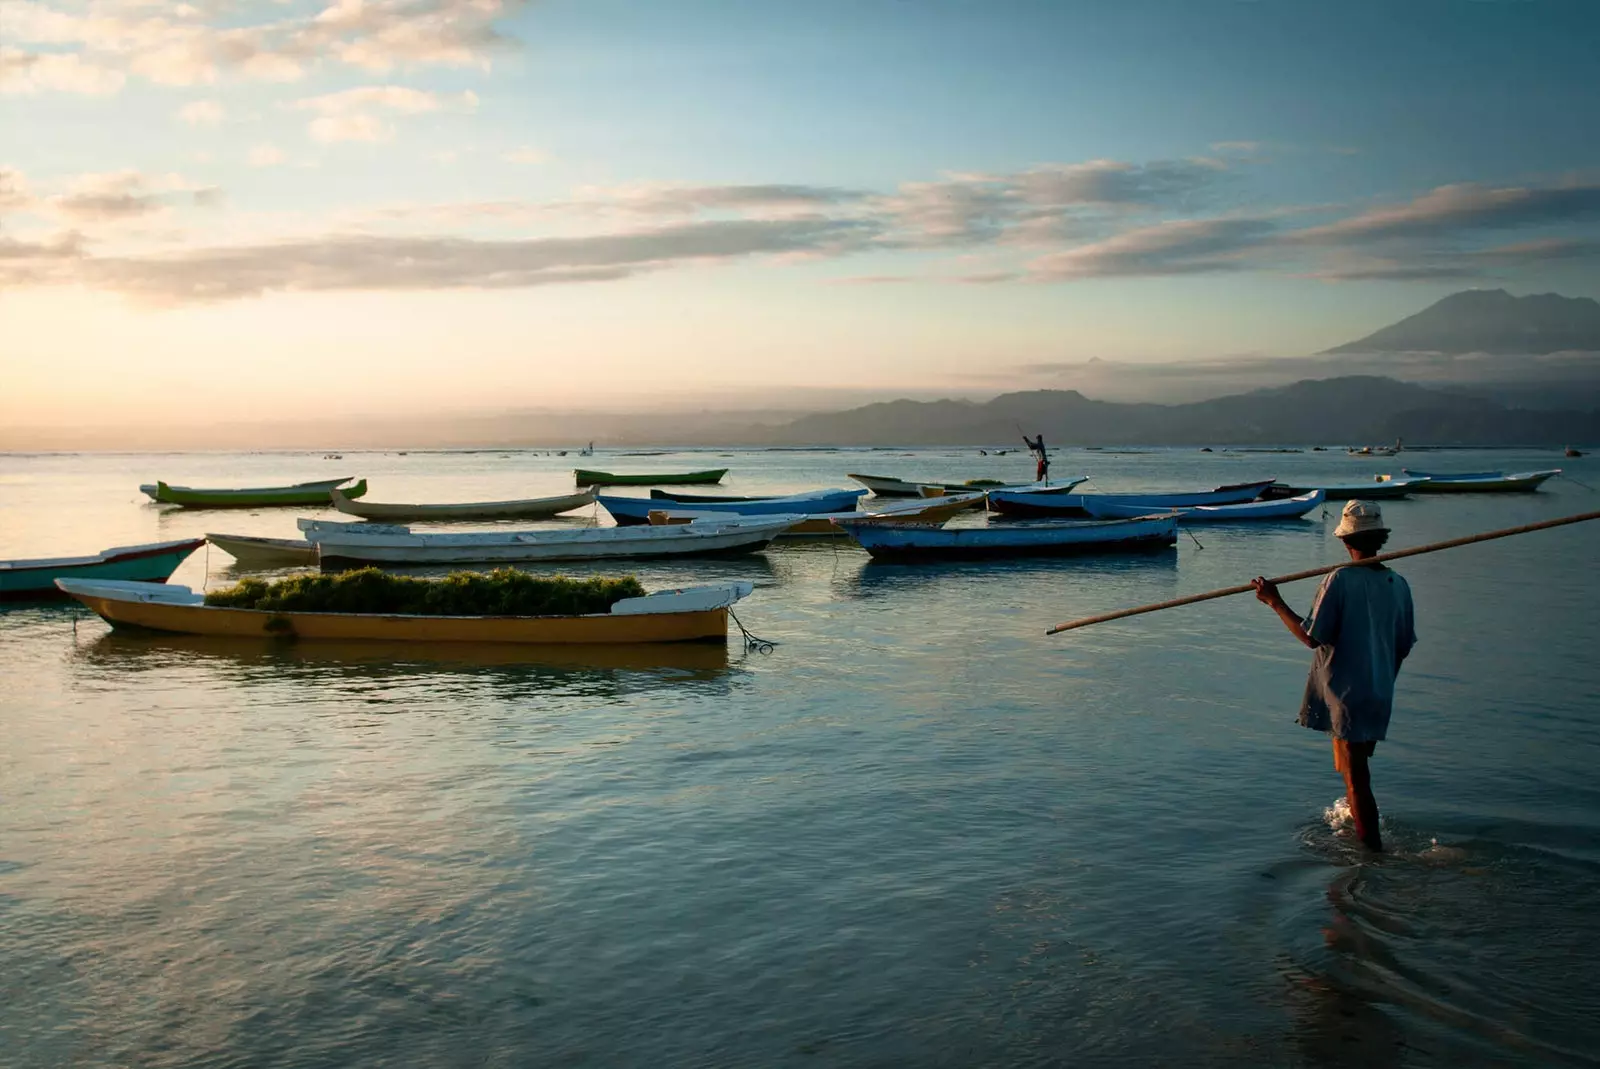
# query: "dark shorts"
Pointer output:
{"type": "Point", "coordinates": [1343, 749]}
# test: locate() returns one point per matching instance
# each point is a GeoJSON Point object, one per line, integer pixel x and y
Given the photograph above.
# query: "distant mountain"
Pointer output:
{"type": "Point", "coordinates": [1358, 409]}
{"type": "Point", "coordinates": [1491, 321]}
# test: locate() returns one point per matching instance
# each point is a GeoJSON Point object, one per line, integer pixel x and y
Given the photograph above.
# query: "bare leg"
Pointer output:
{"type": "Point", "coordinates": [1363, 806]}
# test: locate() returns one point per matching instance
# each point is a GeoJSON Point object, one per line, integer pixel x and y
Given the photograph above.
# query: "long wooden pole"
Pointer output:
{"type": "Point", "coordinates": [1432, 547]}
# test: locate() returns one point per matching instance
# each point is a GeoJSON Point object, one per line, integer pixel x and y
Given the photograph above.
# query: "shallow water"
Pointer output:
{"type": "Point", "coordinates": [918, 832]}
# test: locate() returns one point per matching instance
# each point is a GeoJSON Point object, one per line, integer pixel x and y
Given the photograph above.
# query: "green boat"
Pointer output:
{"type": "Point", "coordinates": [681, 478]}
{"type": "Point", "coordinates": [300, 494]}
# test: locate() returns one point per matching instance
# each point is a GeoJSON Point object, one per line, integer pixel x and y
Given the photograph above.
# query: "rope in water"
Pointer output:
{"type": "Point", "coordinates": [1246, 588]}
{"type": "Point", "coordinates": [753, 643]}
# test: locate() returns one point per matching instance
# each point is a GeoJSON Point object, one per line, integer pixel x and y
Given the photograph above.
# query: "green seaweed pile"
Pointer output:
{"type": "Point", "coordinates": [503, 592]}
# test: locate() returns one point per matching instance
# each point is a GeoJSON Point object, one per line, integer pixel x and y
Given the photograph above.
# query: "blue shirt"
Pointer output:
{"type": "Point", "coordinates": [1363, 623]}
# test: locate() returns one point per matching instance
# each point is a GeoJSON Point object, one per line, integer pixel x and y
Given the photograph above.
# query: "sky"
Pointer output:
{"type": "Point", "coordinates": [321, 208]}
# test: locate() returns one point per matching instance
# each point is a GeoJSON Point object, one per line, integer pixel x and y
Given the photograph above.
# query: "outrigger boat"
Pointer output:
{"type": "Point", "coordinates": [301, 494]}
{"type": "Point", "coordinates": [345, 545]}
{"type": "Point", "coordinates": [628, 511]}
{"type": "Point", "coordinates": [1013, 503]}
{"type": "Point", "coordinates": [1479, 482]}
{"type": "Point", "coordinates": [153, 562]}
{"type": "Point", "coordinates": [526, 509]}
{"type": "Point", "coordinates": [1288, 508]}
{"type": "Point", "coordinates": [890, 486]}
{"type": "Point", "coordinates": [823, 525]}
{"type": "Point", "coordinates": [586, 477]}
{"type": "Point", "coordinates": [1379, 489]}
{"type": "Point", "coordinates": [917, 542]}
{"type": "Point", "coordinates": [687, 615]}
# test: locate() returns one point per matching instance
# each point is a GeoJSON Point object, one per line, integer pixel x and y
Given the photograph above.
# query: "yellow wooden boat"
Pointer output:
{"type": "Point", "coordinates": [688, 615]}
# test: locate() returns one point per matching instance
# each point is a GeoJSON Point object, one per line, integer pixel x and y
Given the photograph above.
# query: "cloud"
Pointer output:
{"type": "Point", "coordinates": [1236, 148]}
{"type": "Point", "coordinates": [526, 155]}
{"type": "Point", "coordinates": [202, 113]}
{"type": "Point", "coordinates": [119, 196]}
{"type": "Point", "coordinates": [349, 115]}
{"type": "Point", "coordinates": [24, 73]}
{"type": "Point", "coordinates": [1457, 210]}
{"type": "Point", "coordinates": [94, 49]}
{"type": "Point", "coordinates": [1111, 183]}
{"type": "Point", "coordinates": [1190, 246]}
{"type": "Point", "coordinates": [265, 155]}
{"type": "Point", "coordinates": [365, 262]}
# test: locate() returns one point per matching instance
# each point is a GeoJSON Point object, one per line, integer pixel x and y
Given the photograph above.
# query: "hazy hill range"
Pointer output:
{"type": "Point", "coordinates": [1353, 410]}
{"type": "Point", "coordinates": [1491, 321]}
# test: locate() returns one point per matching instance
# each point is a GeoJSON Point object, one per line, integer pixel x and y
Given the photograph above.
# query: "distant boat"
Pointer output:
{"type": "Point", "coordinates": [254, 551]}
{"type": "Point", "coordinates": [1571, 452]}
{"type": "Point", "coordinates": [890, 486]}
{"type": "Point", "coordinates": [342, 545]}
{"type": "Point", "coordinates": [1383, 488]}
{"type": "Point", "coordinates": [1480, 482]}
{"type": "Point", "coordinates": [688, 615]}
{"type": "Point", "coordinates": [1012, 503]}
{"type": "Point", "coordinates": [153, 562]}
{"type": "Point", "coordinates": [628, 511]}
{"type": "Point", "coordinates": [1288, 508]}
{"type": "Point", "coordinates": [301, 494]}
{"type": "Point", "coordinates": [823, 525]}
{"type": "Point", "coordinates": [916, 542]}
{"type": "Point", "coordinates": [527, 508]}
{"type": "Point", "coordinates": [585, 477]}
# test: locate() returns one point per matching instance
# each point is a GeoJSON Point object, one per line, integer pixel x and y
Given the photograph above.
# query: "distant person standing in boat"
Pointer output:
{"type": "Point", "coordinates": [1362, 627]}
{"type": "Point", "coordinates": [1041, 470]}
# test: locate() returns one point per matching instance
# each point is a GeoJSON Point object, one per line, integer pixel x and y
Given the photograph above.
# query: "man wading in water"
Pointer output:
{"type": "Point", "coordinates": [1361, 627]}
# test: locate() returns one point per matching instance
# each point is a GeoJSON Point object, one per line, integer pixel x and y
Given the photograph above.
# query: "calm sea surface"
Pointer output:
{"type": "Point", "coordinates": [917, 833]}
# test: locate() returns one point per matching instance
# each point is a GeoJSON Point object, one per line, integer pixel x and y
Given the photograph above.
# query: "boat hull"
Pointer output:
{"type": "Point", "coordinates": [1289, 508]}
{"type": "Point", "coordinates": [339, 551]}
{"type": "Point", "coordinates": [531, 509]}
{"type": "Point", "coordinates": [710, 624]}
{"type": "Point", "coordinates": [150, 564]}
{"type": "Point", "coordinates": [1481, 482]}
{"type": "Point", "coordinates": [303, 495]}
{"type": "Point", "coordinates": [634, 511]}
{"type": "Point", "coordinates": [255, 552]}
{"type": "Point", "coordinates": [890, 486]}
{"type": "Point", "coordinates": [1373, 491]}
{"type": "Point", "coordinates": [908, 543]}
{"type": "Point", "coordinates": [586, 477]}
{"type": "Point", "coordinates": [1035, 505]}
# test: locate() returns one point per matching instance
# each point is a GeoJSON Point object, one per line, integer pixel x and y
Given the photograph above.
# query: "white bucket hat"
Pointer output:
{"type": "Point", "coordinates": [1359, 516]}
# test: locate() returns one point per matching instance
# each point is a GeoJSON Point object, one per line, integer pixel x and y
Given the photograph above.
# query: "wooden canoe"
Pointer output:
{"type": "Point", "coordinates": [153, 562]}
{"type": "Point", "coordinates": [822, 525]}
{"type": "Point", "coordinates": [525, 509]}
{"type": "Point", "coordinates": [917, 542]}
{"type": "Point", "coordinates": [300, 494]}
{"type": "Point", "coordinates": [1287, 508]}
{"type": "Point", "coordinates": [1012, 503]}
{"type": "Point", "coordinates": [343, 545]}
{"type": "Point", "coordinates": [1479, 482]}
{"type": "Point", "coordinates": [1377, 490]}
{"type": "Point", "coordinates": [628, 511]}
{"type": "Point", "coordinates": [586, 477]}
{"type": "Point", "coordinates": [890, 486]}
{"type": "Point", "coordinates": [688, 615]}
{"type": "Point", "coordinates": [254, 551]}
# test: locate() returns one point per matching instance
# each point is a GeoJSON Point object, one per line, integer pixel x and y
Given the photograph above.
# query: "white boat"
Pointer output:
{"type": "Point", "coordinates": [636, 510]}
{"type": "Point", "coordinates": [821, 525]}
{"type": "Point", "coordinates": [890, 486]}
{"type": "Point", "coordinates": [913, 542]}
{"type": "Point", "coordinates": [342, 545]}
{"type": "Point", "coordinates": [1288, 508]}
{"type": "Point", "coordinates": [1033, 505]}
{"type": "Point", "coordinates": [254, 551]}
{"type": "Point", "coordinates": [1479, 482]}
{"type": "Point", "coordinates": [526, 509]}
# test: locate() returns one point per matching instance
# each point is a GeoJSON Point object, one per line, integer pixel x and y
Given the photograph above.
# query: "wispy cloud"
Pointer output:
{"type": "Point", "coordinates": [123, 195]}
{"type": "Point", "coordinates": [202, 113]}
{"type": "Point", "coordinates": [1451, 211]}
{"type": "Point", "coordinates": [265, 155]}
{"type": "Point", "coordinates": [526, 156]}
{"type": "Point", "coordinates": [353, 114]}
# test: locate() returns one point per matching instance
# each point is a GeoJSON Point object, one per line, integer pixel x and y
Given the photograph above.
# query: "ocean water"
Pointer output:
{"type": "Point", "coordinates": [918, 832]}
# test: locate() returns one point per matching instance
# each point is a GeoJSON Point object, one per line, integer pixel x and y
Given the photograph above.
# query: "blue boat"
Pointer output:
{"type": "Point", "coordinates": [1288, 508]}
{"type": "Point", "coordinates": [1012, 503]}
{"type": "Point", "coordinates": [628, 511]}
{"type": "Point", "coordinates": [152, 563]}
{"type": "Point", "coordinates": [916, 542]}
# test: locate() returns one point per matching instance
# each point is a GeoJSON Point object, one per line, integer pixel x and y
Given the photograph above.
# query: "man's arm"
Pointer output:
{"type": "Point", "coordinates": [1267, 594]}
